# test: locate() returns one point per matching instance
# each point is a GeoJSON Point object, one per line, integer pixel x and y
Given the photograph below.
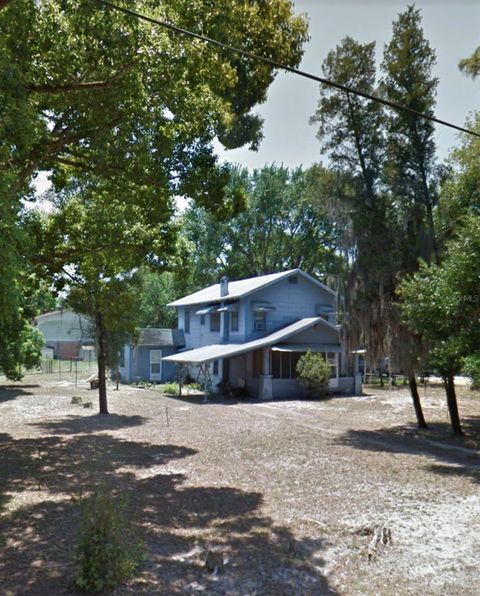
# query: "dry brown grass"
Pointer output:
{"type": "Point", "coordinates": [289, 491]}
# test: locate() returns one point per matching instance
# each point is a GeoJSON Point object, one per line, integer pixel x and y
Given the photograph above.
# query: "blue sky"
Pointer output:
{"type": "Point", "coordinates": [453, 29]}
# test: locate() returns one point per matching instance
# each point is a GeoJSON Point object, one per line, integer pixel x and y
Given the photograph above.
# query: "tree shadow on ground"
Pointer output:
{"type": "Point", "coordinates": [458, 455]}
{"type": "Point", "coordinates": [179, 522]}
{"type": "Point", "coordinates": [63, 465]}
{"type": "Point", "coordinates": [9, 392]}
{"type": "Point", "coordinates": [73, 425]}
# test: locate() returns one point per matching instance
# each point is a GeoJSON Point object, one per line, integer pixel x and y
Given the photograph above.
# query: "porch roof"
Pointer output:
{"type": "Point", "coordinates": [216, 351]}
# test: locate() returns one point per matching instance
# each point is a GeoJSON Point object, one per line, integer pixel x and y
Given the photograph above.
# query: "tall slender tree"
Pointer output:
{"type": "Point", "coordinates": [410, 165]}
{"type": "Point", "coordinates": [351, 132]}
{"type": "Point", "coordinates": [392, 156]}
{"type": "Point", "coordinates": [410, 169]}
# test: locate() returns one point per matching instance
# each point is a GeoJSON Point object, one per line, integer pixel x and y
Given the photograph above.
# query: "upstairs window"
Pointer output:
{"type": "Point", "coordinates": [293, 280]}
{"type": "Point", "coordinates": [215, 321]}
{"type": "Point", "coordinates": [234, 320]}
{"type": "Point", "coordinates": [186, 321]}
{"type": "Point", "coordinates": [260, 320]}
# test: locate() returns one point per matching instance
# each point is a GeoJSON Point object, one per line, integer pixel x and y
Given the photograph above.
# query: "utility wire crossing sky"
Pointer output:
{"type": "Point", "coordinates": [296, 71]}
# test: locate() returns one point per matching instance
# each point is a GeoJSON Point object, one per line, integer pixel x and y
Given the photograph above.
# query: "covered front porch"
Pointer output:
{"type": "Point", "coordinates": [265, 368]}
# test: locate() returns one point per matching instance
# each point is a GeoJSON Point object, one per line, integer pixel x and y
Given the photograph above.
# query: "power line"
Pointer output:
{"type": "Point", "coordinates": [279, 65]}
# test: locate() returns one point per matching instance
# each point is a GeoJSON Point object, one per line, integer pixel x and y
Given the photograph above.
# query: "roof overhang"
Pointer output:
{"type": "Point", "coordinates": [216, 351]}
{"type": "Point", "coordinates": [207, 310]}
{"type": "Point", "coordinates": [242, 288]}
{"type": "Point", "coordinates": [262, 306]}
{"type": "Point", "coordinates": [228, 308]}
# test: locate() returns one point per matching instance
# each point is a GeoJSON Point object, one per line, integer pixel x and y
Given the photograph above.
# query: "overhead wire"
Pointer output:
{"type": "Point", "coordinates": [279, 65]}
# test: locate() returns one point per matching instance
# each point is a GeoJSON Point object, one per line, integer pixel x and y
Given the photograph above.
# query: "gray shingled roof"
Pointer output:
{"type": "Point", "coordinates": [242, 287]}
{"type": "Point", "coordinates": [151, 336]}
{"type": "Point", "coordinates": [215, 351]}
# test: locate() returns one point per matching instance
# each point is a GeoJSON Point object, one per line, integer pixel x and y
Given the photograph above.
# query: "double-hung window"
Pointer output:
{"type": "Point", "coordinates": [215, 321]}
{"type": "Point", "coordinates": [260, 320]}
{"type": "Point", "coordinates": [234, 320]}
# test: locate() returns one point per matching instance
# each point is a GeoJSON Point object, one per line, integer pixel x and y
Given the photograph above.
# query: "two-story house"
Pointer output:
{"type": "Point", "coordinates": [252, 332]}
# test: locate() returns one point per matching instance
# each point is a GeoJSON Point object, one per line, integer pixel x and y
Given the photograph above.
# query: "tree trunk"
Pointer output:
{"type": "Point", "coordinates": [452, 404]}
{"type": "Point", "coordinates": [101, 357]}
{"type": "Point", "coordinates": [412, 381]}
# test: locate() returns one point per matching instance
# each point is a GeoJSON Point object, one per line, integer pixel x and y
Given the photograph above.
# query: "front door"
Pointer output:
{"type": "Point", "coordinates": [226, 369]}
{"type": "Point", "coordinates": [155, 365]}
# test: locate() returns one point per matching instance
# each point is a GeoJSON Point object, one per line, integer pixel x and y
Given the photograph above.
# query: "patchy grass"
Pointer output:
{"type": "Point", "coordinates": [289, 492]}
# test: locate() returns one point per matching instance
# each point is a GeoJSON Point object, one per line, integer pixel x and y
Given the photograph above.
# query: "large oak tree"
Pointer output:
{"type": "Point", "coordinates": [88, 93]}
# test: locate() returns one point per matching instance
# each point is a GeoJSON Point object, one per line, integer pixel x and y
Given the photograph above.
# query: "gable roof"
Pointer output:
{"type": "Point", "coordinates": [215, 351]}
{"type": "Point", "coordinates": [151, 336]}
{"type": "Point", "coordinates": [242, 288]}
{"type": "Point", "coordinates": [59, 313]}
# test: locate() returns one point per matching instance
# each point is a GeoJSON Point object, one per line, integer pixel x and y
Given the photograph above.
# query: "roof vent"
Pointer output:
{"type": "Point", "coordinates": [224, 286]}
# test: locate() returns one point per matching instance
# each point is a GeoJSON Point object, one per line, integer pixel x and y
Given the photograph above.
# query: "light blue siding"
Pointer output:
{"type": "Point", "coordinates": [291, 302]}
{"type": "Point", "coordinates": [138, 366]}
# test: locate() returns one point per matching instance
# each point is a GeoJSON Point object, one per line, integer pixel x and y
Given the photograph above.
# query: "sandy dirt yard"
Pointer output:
{"type": "Point", "coordinates": [289, 491]}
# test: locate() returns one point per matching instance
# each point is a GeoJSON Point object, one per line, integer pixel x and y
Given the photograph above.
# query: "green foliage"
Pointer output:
{"type": "Point", "coordinates": [170, 388]}
{"type": "Point", "coordinates": [314, 374]}
{"type": "Point", "coordinates": [471, 368]}
{"type": "Point", "coordinates": [284, 225]}
{"type": "Point", "coordinates": [107, 553]}
{"type": "Point", "coordinates": [20, 347]}
{"type": "Point", "coordinates": [117, 300]}
{"type": "Point", "coordinates": [156, 291]}
{"type": "Point", "coordinates": [23, 295]}
{"type": "Point", "coordinates": [471, 65]}
{"type": "Point", "coordinates": [119, 109]}
{"type": "Point", "coordinates": [460, 192]}
{"type": "Point", "coordinates": [387, 179]}
{"type": "Point", "coordinates": [410, 170]}
{"type": "Point", "coordinates": [441, 303]}
{"type": "Point", "coordinates": [350, 127]}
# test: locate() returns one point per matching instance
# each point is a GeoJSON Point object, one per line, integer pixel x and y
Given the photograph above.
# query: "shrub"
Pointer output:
{"type": "Point", "coordinates": [314, 374]}
{"type": "Point", "coordinates": [471, 368]}
{"type": "Point", "coordinates": [193, 386]}
{"type": "Point", "coordinates": [107, 554]}
{"type": "Point", "coordinates": [171, 388]}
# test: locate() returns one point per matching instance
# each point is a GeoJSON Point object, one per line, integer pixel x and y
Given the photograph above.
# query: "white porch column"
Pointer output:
{"type": "Point", "coordinates": [357, 377]}
{"type": "Point", "coordinates": [265, 389]}
{"type": "Point", "coordinates": [357, 390]}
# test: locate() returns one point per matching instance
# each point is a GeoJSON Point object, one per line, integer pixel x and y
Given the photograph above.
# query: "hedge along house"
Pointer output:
{"type": "Point", "coordinates": [252, 332]}
{"type": "Point", "coordinates": [142, 361]}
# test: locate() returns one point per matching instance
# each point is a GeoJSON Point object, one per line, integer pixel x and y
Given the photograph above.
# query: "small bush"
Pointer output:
{"type": "Point", "coordinates": [471, 368]}
{"type": "Point", "coordinates": [107, 554]}
{"type": "Point", "coordinates": [171, 388]}
{"type": "Point", "coordinates": [314, 374]}
{"type": "Point", "coordinates": [193, 386]}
